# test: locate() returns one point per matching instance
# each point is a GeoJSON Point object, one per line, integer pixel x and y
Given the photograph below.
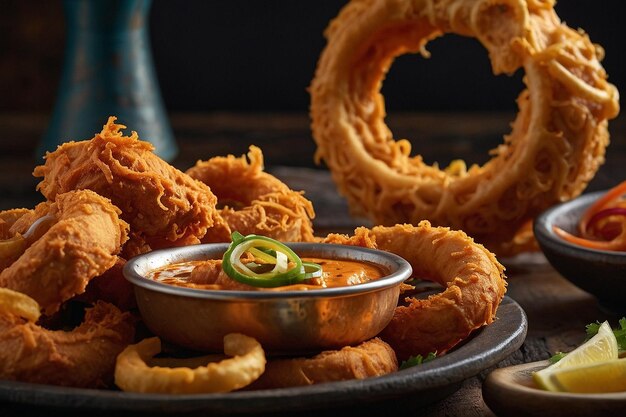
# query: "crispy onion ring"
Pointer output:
{"type": "Point", "coordinates": [263, 204]}
{"type": "Point", "coordinates": [76, 238]}
{"type": "Point", "coordinates": [16, 303]}
{"type": "Point", "coordinates": [369, 359]}
{"type": "Point", "coordinates": [82, 357]}
{"type": "Point", "coordinates": [163, 206]}
{"type": "Point", "coordinates": [133, 373]}
{"type": "Point", "coordinates": [8, 218]}
{"type": "Point", "coordinates": [556, 145]}
{"type": "Point", "coordinates": [472, 278]}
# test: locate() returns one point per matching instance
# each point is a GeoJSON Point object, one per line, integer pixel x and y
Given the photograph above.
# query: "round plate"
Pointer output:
{"type": "Point", "coordinates": [420, 385]}
{"type": "Point", "coordinates": [511, 391]}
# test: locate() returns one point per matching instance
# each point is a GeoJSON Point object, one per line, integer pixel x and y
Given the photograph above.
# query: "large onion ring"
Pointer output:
{"type": "Point", "coordinates": [132, 372]}
{"type": "Point", "coordinates": [81, 244]}
{"type": "Point", "coordinates": [163, 206]}
{"type": "Point", "coordinates": [556, 145]}
{"type": "Point", "coordinates": [472, 278]}
{"type": "Point", "coordinates": [82, 357]}
{"type": "Point", "coordinates": [254, 201]}
{"type": "Point", "coordinates": [369, 359]}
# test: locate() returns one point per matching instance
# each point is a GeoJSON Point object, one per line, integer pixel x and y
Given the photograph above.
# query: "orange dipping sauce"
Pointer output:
{"type": "Point", "coordinates": [209, 275]}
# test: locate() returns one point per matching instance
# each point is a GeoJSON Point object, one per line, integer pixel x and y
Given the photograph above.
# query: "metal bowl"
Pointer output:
{"type": "Point", "coordinates": [282, 321]}
{"type": "Point", "coordinates": [601, 273]}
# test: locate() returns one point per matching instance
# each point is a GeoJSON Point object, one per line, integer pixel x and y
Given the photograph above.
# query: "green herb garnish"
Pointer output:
{"type": "Point", "coordinates": [557, 357]}
{"type": "Point", "coordinates": [592, 329]}
{"type": "Point", "coordinates": [417, 360]}
{"type": "Point", "coordinates": [274, 265]}
{"type": "Point", "coordinates": [620, 333]}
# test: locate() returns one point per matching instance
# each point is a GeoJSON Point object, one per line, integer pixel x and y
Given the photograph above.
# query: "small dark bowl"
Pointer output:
{"type": "Point", "coordinates": [601, 273]}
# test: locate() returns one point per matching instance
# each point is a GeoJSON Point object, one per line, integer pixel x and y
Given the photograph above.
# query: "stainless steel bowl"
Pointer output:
{"type": "Point", "coordinates": [282, 321]}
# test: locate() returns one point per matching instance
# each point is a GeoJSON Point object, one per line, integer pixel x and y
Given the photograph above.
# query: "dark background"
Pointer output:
{"type": "Point", "coordinates": [250, 55]}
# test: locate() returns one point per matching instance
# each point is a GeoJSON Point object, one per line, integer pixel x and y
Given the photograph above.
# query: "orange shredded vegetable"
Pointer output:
{"type": "Point", "coordinates": [603, 225]}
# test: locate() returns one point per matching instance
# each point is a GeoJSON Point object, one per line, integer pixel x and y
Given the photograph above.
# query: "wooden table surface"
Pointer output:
{"type": "Point", "coordinates": [557, 311]}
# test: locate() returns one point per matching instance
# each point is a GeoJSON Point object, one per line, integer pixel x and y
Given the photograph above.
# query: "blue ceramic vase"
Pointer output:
{"type": "Point", "coordinates": [108, 71]}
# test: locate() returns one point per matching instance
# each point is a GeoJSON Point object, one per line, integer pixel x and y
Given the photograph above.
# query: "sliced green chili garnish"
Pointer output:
{"type": "Point", "coordinates": [274, 265]}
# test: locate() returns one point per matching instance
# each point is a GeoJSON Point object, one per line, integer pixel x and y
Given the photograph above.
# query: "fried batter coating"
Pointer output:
{"type": "Point", "coordinates": [11, 247]}
{"type": "Point", "coordinates": [111, 287]}
{"type": "Point", "coordinates": [78, 240]}
{"type": "Point", "coordinates": [255, 202]}
{"type": "Point", "coordinates": [556, 145]}
{"type": "Point", "coordinates": [7, 219]}
{"type": "Point", "coordinates": [369, 359]}
{"type": "Point", "coordinates": [83, 357]}
{"type": "Point", "coordinates": [161, 204]}
{"type": "Point", "coordinates": [473, 282]}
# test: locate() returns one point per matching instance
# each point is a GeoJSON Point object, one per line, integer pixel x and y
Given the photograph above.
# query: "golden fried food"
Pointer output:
{"type": "Point", "coordinates": [83, 357]}
{"type": "Point", "coordinates": [255, 202]}
{"type": "Point", "coordinates": [11, 246]}
{"type": "Point", "coordinates": [163, 206]}
{"type": "Point", "coordinates": [556, 146]}
{"type": "Point", "coordinates": [7, 219]}
{"type": "Point", "coordinates": [133, 373]}
{"type": "Point", "coordinates": [111, 287]}
{"type": "Point", "coordinates": [369, 359]}
{"type": "Point", "coordinates": [472, 278]}
{"type": "Point", "coordinates": [65, 244]}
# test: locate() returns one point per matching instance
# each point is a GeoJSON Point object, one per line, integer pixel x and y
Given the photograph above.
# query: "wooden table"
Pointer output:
{"type": "Point", "coordinates": [557, 311]}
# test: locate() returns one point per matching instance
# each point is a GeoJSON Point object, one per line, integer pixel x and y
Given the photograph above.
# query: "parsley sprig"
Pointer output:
{"type": "Point", "coordinates": [620, 333]}
{"type": "Point", "coordinates": [417, 360]}
{"type": "Point", "coordinates": [592, 330]}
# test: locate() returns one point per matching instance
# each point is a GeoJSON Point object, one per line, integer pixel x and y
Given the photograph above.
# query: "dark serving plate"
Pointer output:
{"type": "Point", "coordinates": [411, 388]}
{"type": "Point", "coordinates": [601, 273]}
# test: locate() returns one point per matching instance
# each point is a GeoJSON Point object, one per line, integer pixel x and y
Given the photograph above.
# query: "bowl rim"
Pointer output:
{"type": "Point", "coordinates": [400, 271]}
{"type": "Point", "coordinates": [545, 235]}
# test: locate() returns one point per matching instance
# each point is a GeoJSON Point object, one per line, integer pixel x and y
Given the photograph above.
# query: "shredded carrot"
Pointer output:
{"type": "Point", "coordinates": [603, 210]}
{"type": "Point", "coordinates": [608, 198]}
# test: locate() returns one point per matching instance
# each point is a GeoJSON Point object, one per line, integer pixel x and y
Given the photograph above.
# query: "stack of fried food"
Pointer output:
{"type": "Point", "coordinates": [110, 198]}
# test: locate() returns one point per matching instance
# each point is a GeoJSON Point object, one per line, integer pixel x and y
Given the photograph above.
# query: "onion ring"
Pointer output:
{"type": "Point", "coordinates": [556, 146]}
{"type": "Point", "coordinates": [83, 357]}
{"type": "Point", "coordinates": [81, 244]}
{"type": "Point", "coordinates": [369, 359]}
{"type": "Point", "coordinates": [8, 218]}
{"type": "Point", "coordinates": [473, 282]}
{"type": "Point", "coordinates": [16, 303]}
{"type": "Point", "coordinates": [263, 204]}
{"type": "Point", "coordinates": [132, 372]}
{"type": "Point", "coordinates": [163, 206]}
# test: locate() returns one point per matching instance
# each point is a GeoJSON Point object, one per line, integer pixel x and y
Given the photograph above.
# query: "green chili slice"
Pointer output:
{"type": "Point", "coordinates": [286, 267]}
{"type": "Point", "coordinates": [312, 270]}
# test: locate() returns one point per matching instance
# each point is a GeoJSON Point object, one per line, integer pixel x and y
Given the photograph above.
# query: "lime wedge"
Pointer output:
{"type": "Point", "coordinates": [600, 348]}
